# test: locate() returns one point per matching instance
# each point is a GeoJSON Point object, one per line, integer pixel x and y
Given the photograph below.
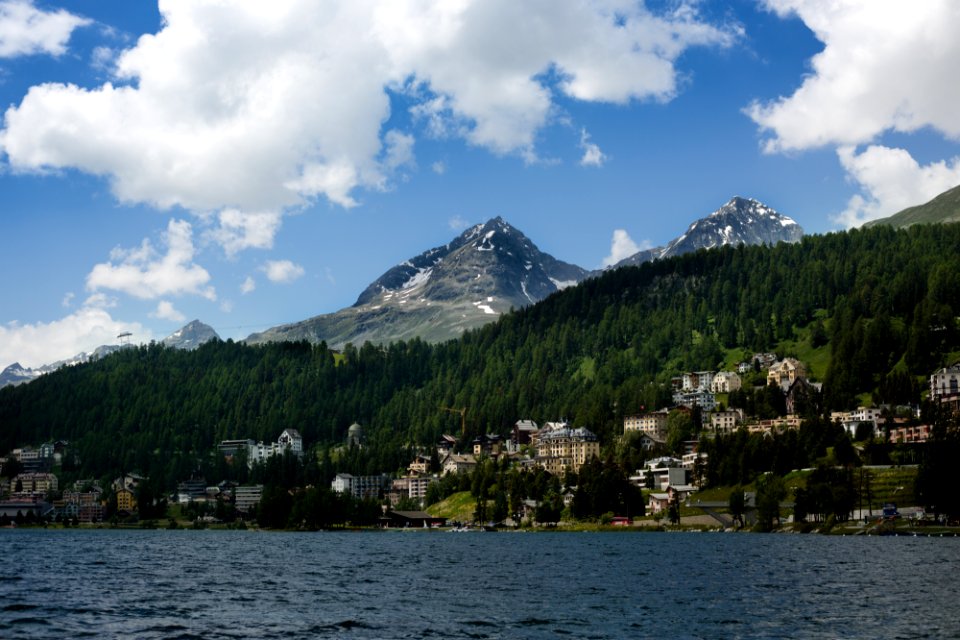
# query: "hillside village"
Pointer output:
{"type": "Point", "coordinates": [672, 440]}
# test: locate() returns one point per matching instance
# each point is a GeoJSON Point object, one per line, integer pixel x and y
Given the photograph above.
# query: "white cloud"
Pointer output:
{"type": "Point", "coordinates": [239, 108]}
{"type": "Point", "coordinates": [26, 30]}
{"type": "Point", "coordinates": [238, 230]}
{"type": "Point", "coordinates": [282, 271]}
{"type": "Point", "coordinates": [249, 286]}
{"type": "Point", "coordinates": [458, 223]}
{"type": "Point", "coordinates": [144, 273]}
{"type": "Point", "coordinates": [439, 168]}
{"type": "Point", "coordinates": [592, 155]}
{"type": "Point", "coordinates": [886, 65]}
{"type": "Point", "coordinates": [622, 246]}
{"type": "Point", "coordinates": [398, 149]}
{"type": "Point", "coordinates": [67, 300]}
{"type": "Point", "coordinates": [166, 311]}
{"type": "Point", "coordinates": [34, 345]}
{"type": "Point", "coordinates": [891, 180]}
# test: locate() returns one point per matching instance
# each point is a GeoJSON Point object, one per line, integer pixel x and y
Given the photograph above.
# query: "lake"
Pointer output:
{"type": "Point", "coordinates": [248, 584]}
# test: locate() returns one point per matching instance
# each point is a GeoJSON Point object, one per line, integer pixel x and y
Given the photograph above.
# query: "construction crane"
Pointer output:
{"type": "Point", "coordinates": [463, 418]}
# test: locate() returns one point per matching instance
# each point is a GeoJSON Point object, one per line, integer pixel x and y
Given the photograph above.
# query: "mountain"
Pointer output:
{"type": "Point", "coordinates": [739, 221]}
{"type": "Point", "coordinates": [191, 336]}
{"type": "Point", "coordinates": [942, 209]}
{"type": "Point", "coordinates": [442, 292]}
{"type": "Point", "coordinates": [18, 374]}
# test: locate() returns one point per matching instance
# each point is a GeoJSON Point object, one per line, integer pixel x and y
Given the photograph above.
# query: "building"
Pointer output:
{"type": "Point", "coordinates": [852, 419]}
{"type": "Point", "coordinates": [246, 498]}
{"type": "Point", "coordinates": [35, 483]}
{"type": "Point", "coordinates": [412, 519]}
{"type": "Point", "coordinates": [945, 387]}
{"type": "Point", "coordinates": [725, 421]}
{"type": "Point", "coordinates": [653, 424]}
{"type": "Point", "coordinates": [785, 372]}
{"type": "Point", "coordinates": [86, 506]}
{"type": "Point", "coordinates": [355, 435]}
{"type": "Point", "coordinates": [903, 435]}
{"type": "Point", "coordinates": [661, 473]}
{"type": "Point", "coordinates": [522, 432]}
{"type": "Point", "coordinates": [564, 448]}
{"type": "Point", "coordinates": [361, 487]}
{"type": "Point", "coordinates": [487, 445]}
{"type": "Point", "coordinates": [126, 501]}
{"type": "Point", "coordinates": [445, 444]}
{"type": "Point", "coordinates": [725, 382]}
{"type": "Point", "coordinates": [289, 440]}
{"type": "Point", "coordinates": [420, 465]}
{"type": "Point", "coordinates": [690, 399]}
{"type": "Point", "coordinates": [697, 381]}
{"type": "Point", "coordinates": [458, 463]}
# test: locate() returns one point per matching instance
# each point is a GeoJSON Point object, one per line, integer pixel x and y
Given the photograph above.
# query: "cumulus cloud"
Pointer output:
{"type": "Point", "coordinates": [144, 273]}
{"type": "Point", "coordinates": [592, 156]}
{"type": "Point", "coordinates": [883, 69]}
{"type": "Point", "coordinates": [238, 230]}
{"type": "Point", "coordinates": [34, 345]}
{"type": "Point", "coordinates": [891, 180]}
{"type": "Point", "coordinates": [622, 246]}
{"type": "Point", "coordinates": [249, 286]}
{"type": "Point", "coordinates": [439, 168]}
{"type": "Point", "coordinates": [282, 271]}
{"type": "Point", "coordinates": [240, 108]}
{"type": "Point", "coordinates": [166, 311]}
{"type": "Point", "coordinates": [26, 30]}
{"type": "Point", "coordinates": [885, 66]}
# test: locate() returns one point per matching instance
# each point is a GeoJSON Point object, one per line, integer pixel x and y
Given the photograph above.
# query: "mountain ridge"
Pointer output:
{"type": "Point", "coordinates": [942, 209]}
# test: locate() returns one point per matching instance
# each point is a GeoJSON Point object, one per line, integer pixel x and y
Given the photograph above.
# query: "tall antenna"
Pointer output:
{"type": "Point", "coordinates": [124, 338]}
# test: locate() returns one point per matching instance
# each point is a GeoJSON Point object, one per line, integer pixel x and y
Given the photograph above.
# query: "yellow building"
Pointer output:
{"type": "Point", "coordinates": [785, 372]}
{"type": "Point", "coordinates": [565, 448]}
{"type": "Point", "coordinates": [653, 424]}
{"type": "Point", "coordinates": [126, 500]}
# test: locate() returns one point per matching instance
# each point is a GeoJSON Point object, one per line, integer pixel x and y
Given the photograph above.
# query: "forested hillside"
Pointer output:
{"type": "Point", "coordinates": [880, 303]}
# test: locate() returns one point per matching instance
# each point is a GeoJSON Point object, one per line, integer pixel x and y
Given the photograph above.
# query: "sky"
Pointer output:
{"type": "Point", "coordinates": [251, 164]}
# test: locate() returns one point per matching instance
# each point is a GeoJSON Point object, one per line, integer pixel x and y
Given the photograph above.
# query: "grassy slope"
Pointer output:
{"type": "Point", "coordinates": [460, 506]}
{"type": "Point", "coordinates": [944, 208]}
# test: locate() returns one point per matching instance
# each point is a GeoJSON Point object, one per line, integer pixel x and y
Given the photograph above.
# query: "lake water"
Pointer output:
{"type": "Point", "coordinates": [245, 584]}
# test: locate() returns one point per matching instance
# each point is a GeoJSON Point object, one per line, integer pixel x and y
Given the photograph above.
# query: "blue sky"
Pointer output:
{"type": "Point", "coordinates": [251, 164]}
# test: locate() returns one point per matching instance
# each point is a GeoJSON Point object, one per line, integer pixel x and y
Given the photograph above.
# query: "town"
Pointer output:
{"type": "Point", "coordinates": [674, 464]}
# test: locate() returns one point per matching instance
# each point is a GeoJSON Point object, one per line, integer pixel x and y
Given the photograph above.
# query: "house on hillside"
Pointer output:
{"type": "Point", "coordinates": [725, 382]}
{"type": "Point", "coordinates": [945, 387]}
{"type": "Point", "coordinates": [563, 449]}
{"type": "Point", "coordinates": [785, 372]}
{"type": "Point", "coordinates": [458, 463]}
{"type": "Point", "coordinates": [654, 424]}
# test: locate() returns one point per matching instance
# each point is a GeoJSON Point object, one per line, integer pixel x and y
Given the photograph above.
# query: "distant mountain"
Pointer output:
{"type": "Point", "coordinates": [191, 336]}
{"type": "Point", "coordinates": [18, 374]}
{"type": "Point", "coordinates": [739, 221]}
{"type": "Point", "coordinates": [442, 292]}
{"type": "Point", "coordinates": [942, 209]}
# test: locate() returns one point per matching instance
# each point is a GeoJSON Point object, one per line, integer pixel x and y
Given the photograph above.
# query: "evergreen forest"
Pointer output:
{"type": "Point", "coordinates": [873, 312]}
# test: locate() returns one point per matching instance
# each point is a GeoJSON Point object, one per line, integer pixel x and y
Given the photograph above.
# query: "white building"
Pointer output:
{"type": "Point", "coordinates": [258, 452]}
{"type": "Point", "coordinates": [361, 486]}
{"type": "Point", "coordinates": [725, 382]}
{"type": "Point", "coordinates": [945, 383]}
{"type": "Point", "coordinates": [725, 421]}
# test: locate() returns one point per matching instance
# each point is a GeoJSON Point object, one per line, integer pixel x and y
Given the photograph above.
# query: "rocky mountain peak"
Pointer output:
{"type": "Point", "coordinates": [191, 336]}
